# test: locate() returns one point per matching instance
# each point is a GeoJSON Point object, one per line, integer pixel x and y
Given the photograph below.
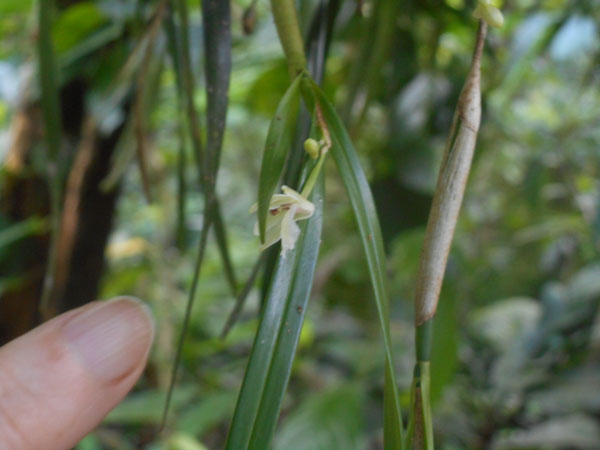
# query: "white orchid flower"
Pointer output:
{"type": "Point", "coordinates": [284, 211]}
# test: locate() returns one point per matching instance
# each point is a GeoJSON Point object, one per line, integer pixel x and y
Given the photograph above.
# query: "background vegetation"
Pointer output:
{"type": "Point", "coordinates": [516, 354]}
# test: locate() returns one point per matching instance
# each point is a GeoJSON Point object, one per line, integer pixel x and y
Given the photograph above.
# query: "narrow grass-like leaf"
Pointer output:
{"type": "Point", "coordinates": [208, 160]}
{"type": "Point", "coordinates": [187, 91]}
{"type": "Point", "coordinates": [140, 110]}
{"type": "Point", "coordinates": [289, 332]}
{"type": "Point", "coordinates": [52, 129]}
{"type": "Point", "coordinates": [241, 298]}
{"type": "Point", "coordinates": [317, 45]}
{"type": "Point", "coordinates": [180, 222]}
{"type": "Point", "coordinates": [217, 54]}
{"type": "Point", "coordinates": [175, 53]}
{"type": "Point", "coordinates": [187, 78]}
{"type": "Point", "coordinates": [269, 365]}
{"type": "Point", "coordinates": [365, 212]}
{"type": "Point", "coordinates": [48, 80]}
{"type": "Point", "coordinates": [223, 246]}
{"type": "Point", "coordinates": [279, 141]}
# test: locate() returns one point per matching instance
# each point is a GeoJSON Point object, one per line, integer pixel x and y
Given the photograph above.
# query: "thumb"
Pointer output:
{"type": "Point", "coordinates": [58, 381]}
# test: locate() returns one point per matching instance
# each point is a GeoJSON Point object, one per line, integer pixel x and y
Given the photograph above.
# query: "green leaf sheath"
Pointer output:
{"type": "Point", "coordinates": [278, 143]}
{"type": "Point", "coordinates": [443, 216]}
{"type": "Point", "coordinates": [449, 191]}
{"type": "Point", "coordinates": [365, 212]}
{"type": "Point", "coordinates": [424, 336]}
{"type": "Point", "coordinates": [270, 362]}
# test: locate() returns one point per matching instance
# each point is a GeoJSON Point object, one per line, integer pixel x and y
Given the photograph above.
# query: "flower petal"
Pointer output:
{"type": "Point", "coordinates": [306, 208]}
{"type": "Point", "coordinates": [276, 201]}
{"type": "Point", "coordinates": [293, 194]}
{"type": "Point", "coordinates": [272, 236]}
{"type": "Point", "coordinates": [289, 230]}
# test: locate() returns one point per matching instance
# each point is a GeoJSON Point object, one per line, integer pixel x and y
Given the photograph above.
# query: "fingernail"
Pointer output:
{"type": "Point", "coordinates": [111, 338]}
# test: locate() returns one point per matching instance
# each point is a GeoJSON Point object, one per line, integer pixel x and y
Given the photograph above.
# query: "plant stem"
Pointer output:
{"type": "Point", "coordinates": [286, 21]}
{"type": "Point", "coordinates": [313, 176]}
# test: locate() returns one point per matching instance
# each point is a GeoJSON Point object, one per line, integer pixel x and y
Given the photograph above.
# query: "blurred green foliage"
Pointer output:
{"type": "Point", "coordinates": [516, 358]}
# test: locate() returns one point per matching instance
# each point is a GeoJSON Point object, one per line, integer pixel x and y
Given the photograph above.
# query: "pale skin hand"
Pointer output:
{"type": "Point", "coordinates": [57, 382]}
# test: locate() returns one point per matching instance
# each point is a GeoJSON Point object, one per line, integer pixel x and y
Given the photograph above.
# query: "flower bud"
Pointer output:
{"type": "Point", "coordinates": [489, 13]}
{"type": "Point", "coordinates": [312, 148]}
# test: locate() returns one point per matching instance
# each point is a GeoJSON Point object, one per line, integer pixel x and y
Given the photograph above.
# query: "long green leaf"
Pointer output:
{"type": "Point", "coordinates": [270, 361]}
{"type": "Point", "coordinates": [216, 18]}
{"type": "Point", "coordinates": [365, 212]}
{"type": "Point", "coordinates": [279, 141]}
{"type": "Point", "coordinates": [242, 296]}
{"type": "Point", "coordinates": [48, 80]}
{"type": "Point", "coordinates": [206, 160]}
{"type": "Point", "coordinates": [223, 246]}
{"type": "Point", "coordinates": [217, 54]}
{"type": "Point", "coordinates": [175, 53]}
{"type": "Point", "coordinates": [49, 89]}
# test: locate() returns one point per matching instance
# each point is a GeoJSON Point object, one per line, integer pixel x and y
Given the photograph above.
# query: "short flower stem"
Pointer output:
{"type": "Point", "coordinates": [314, 173]}
{"type": "Point", "coordinates": [313, 176]}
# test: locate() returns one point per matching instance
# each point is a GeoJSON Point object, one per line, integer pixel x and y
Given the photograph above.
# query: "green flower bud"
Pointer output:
{"type": "Point", "coordinates": [312, 148]}
{"type": "Point", "coordinates": [488, 12]}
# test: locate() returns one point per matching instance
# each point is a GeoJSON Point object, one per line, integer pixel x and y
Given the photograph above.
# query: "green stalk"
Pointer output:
{"type": "Point", "coordinates": [52, 124]}
{"type": "Point", "coordinates": [286, 21]}
{"type": "Point", "coordinates": [313, 176]}
{"type": "Point", "coordinates": [452, 179]}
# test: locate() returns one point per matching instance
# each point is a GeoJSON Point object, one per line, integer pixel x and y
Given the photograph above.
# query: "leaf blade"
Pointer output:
{"type": "Point", "coordinates": [289, 334]}
{"type": "Point", "coordinates": [217, 53]}
{"type": "Point", "coordinates": [278, 143]}
{"type": "Point", "coordinates": [273, 350]}
{"type": "Point", "coordinates": [359, 192]}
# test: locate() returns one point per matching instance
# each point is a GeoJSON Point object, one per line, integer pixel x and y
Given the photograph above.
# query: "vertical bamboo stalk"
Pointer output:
{"type": "Point", "coordinates": [443, 216]}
